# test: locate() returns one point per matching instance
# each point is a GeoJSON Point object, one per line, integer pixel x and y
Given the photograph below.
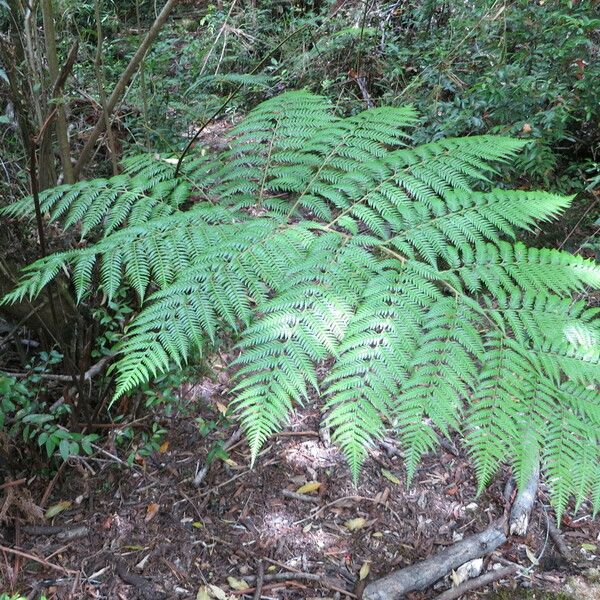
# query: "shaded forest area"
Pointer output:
{"type": "Point", "coordinates": [299, 299]}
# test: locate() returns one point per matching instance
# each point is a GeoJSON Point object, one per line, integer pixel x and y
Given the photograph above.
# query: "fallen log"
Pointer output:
{"type": "Point", "coordinates": [421, 575]}
{"type": "Point", "coordinates": [523, 504]}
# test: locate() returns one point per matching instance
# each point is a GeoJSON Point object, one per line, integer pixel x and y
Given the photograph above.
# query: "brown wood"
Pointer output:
{"type": "Point", "coordinates": [421, 575]}
{"type": "Point", "coordinates": [478, 582]}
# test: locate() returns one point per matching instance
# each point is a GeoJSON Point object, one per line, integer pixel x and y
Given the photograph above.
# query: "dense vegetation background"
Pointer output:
{"type": "Point", "coordinates": [78, 99]}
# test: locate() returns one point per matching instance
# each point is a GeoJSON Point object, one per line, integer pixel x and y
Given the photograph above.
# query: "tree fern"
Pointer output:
{"type": "Point", "coordinates": [322, 241]}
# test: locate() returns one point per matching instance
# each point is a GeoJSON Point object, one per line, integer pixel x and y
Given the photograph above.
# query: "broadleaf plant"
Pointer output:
{"type": "Point", "coordinates": [325, 241]}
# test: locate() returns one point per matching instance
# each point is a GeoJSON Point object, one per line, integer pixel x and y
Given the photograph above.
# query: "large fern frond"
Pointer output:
{"type": "Point", "coordinates": [324, 243]}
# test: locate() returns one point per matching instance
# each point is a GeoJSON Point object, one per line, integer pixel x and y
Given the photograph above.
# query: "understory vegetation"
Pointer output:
{"type": "Point", "coordinates": [315, 237]}
{"type": "Point", "coordinates": [385, 209]}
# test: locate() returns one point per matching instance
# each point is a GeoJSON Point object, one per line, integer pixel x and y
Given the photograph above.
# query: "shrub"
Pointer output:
{"type": "Point", "coordinates": [25, 416]}
{"type": "Point", "coordinates": [323, 241]}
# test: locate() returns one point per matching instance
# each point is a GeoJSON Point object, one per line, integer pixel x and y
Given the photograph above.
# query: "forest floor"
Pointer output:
{"type": "Point", "coordinates": [148, 532]}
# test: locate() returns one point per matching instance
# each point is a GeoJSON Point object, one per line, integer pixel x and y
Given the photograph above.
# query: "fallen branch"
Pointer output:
{"type": "Point", "coordinates": [421, 575]}
{"type": "Point", "coordinates": [559, 541]}
{"type": "Point", "coordinates": [478, 582]}
{"type": "Point", "coordinates": [260, 577]}
{"type": "Point", "coordinates": [301, 497]}
{"type": "Point", "coordinates": [523, 504]}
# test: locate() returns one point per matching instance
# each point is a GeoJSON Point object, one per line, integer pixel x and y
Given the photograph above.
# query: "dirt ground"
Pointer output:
{"type": "Point", "coordinates": [148, 532]}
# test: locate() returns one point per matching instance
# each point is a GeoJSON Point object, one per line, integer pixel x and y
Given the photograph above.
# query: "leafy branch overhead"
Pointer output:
{"type": "Point", "coordinates": [317, 238]}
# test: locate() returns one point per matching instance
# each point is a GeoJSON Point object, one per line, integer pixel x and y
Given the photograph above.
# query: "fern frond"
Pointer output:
{"type": "Point", "coordinates": [374, 358]}
{"type": "Point", "coordinates": [443, 370]}
{"type": "Point", "coordinates": [501, 267]}
{"type": "Point", "coordinates": [220, 287]}
{"type": "Point", "coordinates": [319, 241]}
{"type": "Point", "coordinates": [468, 219]}
{"type": "Point", "coordinates": [298, 328]}
{"type": "Point", "coordinates": [108, 203]}
{"type": "Point", "coordinates": [571, 456]}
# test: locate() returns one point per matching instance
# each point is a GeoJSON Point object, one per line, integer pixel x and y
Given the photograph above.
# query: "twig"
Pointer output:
{"type": "Point", "coordinates": [297, 434]}
{"type": "Point", "coordinates": [113, 457]}
{"type": "Point", "coordinates": [333, 503]}
{"type": "Point", "coordinates": [41, 561]}
{"type": "Point", "coordinates": [301, 497]}
{"type": "Point", "coordinates": [281, 565]}
{"type": "Point", "coordinates": [473, 584]}
{"type": "Point", "coordinates": [203, 472]}
{"type": "Point", "coordinates": [588, 209]}
{"type": "Point", "coordinates": [52, 484]}
{"type": "Point", "coordinates": [8, 484]}
{"type": "Point", "coordinates": [212, 489]}
{"type": "Point", "coordinates": [217, 38]}
{"type": "Point", "coordinates": [259, 580]}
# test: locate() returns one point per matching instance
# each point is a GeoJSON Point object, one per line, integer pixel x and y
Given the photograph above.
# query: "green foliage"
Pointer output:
{"type": "Point", "coordinates": [318, 240]}
{"type": "Point", "coordinates": [24, 415]}
{"type": "Point", "coordinates": [523, 68]}
{"type": "Point", "coordinates": [5, 596]}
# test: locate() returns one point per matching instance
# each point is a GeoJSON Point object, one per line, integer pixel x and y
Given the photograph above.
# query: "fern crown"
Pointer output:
{"type": "Point", "coordinates": [332, 242]}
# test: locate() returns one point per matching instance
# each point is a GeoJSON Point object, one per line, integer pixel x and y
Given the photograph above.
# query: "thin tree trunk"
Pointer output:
{"type": "Point", "coordinates": [61, 119]}
{"type": "Point", "coordinates": [143, 82]}
{"type": "Point", "coordinates": [102, 90]}
{"type": "Point", "coordinates": [119, 88]}
{"type": "Point", "coordinates": [46, 171]}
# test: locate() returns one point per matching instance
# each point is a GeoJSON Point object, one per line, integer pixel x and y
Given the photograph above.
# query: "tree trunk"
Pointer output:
{"type": "Point", "coordinates": [119, 89]}
{"type": "Point", "coordinates": [61, 119]}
